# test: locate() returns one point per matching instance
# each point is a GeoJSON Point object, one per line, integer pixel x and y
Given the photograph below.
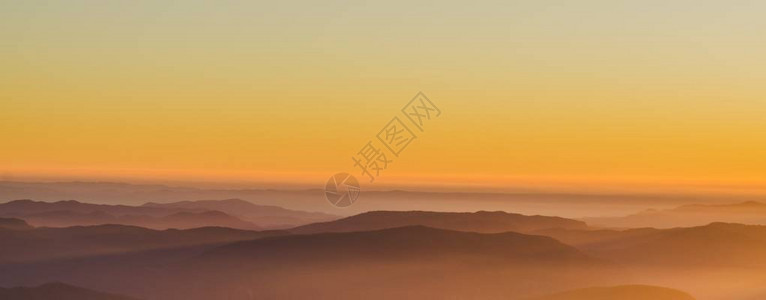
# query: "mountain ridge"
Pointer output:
{"type": "Point", "coordinates": [481, 221]}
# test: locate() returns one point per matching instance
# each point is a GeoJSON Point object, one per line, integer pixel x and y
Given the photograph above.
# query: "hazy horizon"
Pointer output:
{"type": "Point", "coordinates": [597, 93]}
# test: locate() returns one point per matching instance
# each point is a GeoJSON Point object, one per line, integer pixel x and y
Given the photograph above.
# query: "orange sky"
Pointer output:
{"type": "Point", "coordinates": [598, 93]}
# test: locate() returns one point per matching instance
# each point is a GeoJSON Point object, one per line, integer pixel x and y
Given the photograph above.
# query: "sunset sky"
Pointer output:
{"type": "Point", "coordinates": [532, 92]}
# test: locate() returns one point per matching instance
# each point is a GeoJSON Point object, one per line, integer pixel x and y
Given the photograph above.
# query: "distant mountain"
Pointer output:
{"type": "Point", "coordinates": [483, 221]}
{"type": "Point", "coordinates": [27, 207]}
{"type": "Point", "coordinates": [65, 218]}
{"type": "Point", "coordinates": [625, 292]}
{"type": "Point", "coordinates": [137, 194]}
{"type": "Point", "coordinates": [55, 243]}
{"type": "Point", "coordinates": [709, 246]}
{"type": "Point", "coordinates": [14, 224]}
{"type": "Point", "coordinates": [179, 220]}
{"type": "Point", "coordinates": [749, 212]}
{"type": "Point", "coordinates": [224, 213]}
{"type": "Point", "coordinates": [58, 291]}
{"type": "Point", "coordinates": [747, 207]}
{"type": "Point", "coordinates": [588, 239]}
{"type": "Point", "coordinates": [264, 215]}
{"type": "Point", "coordinates": [527, 200]}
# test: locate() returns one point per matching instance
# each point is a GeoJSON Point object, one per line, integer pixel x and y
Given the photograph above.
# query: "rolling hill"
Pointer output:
{"type": "Point", "coordinates": [401, 242]}
{"type": "Point", "coordinates": [482, 221]}
{"type": "Point", "coordinates": [713, 245]}
{"type": "Point", "coordinates": [413, 262]}
{"type": "Point", "coordinates": [14, 224]}
{"type": "Point", "coordinates": [56, 243]}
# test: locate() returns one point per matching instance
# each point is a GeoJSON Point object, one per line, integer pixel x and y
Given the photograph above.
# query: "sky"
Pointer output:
{"type": "Point", "coordinates": [576, 93]}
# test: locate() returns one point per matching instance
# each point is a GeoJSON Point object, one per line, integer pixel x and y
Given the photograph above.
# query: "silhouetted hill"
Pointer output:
{"type": "Point", "coordinates": [206, 218]}
{"type": "Point", "coordinates": [713, 245]}
{"type": "Point", "coordinates": [57, 291]}
{"type": "Point", "coordinates": [717, 244]}
{"type": "Point", "coordinates": [401, 242]}
{"type": "Point", "coordinates": [52, 243]}
{"type": "Point", "coordinates": [483, 221]}
{"type": "Point", "coordinates": [586, 239]}
{"type": "Point", "coordinates": [265, 215]}
{"type": "Point", "coordinates": [14, 224]}
{"type": "Point", "coordinates": [625, 292]}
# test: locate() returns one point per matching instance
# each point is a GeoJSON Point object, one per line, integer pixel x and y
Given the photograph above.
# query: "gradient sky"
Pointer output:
{"type": "Point", "coordinates": [656, 92]}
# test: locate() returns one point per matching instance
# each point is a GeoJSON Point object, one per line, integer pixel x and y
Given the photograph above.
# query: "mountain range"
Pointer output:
{"type": "Point", "coordinates": [526, 200]}
{"type": "Point", "coordinates": [749, 212]}
{"type": "Point", "coordinates": [232, 213]}
{"type": "Point", "coordinates": [382, 255]}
